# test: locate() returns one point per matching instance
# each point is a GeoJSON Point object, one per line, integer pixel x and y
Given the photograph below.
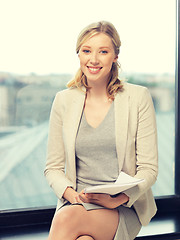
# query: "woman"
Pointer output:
{"type": "Point", "coordinates": [98, 128]}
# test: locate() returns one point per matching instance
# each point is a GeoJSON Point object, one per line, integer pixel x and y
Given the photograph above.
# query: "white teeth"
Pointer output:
{"type": "Point", "coordinates": [94, 69]}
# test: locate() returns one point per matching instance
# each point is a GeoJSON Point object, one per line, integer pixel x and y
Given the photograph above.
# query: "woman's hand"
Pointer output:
{"type": "Point", "coordinates": [71, 195]}
{"type": "Point", "coordinates": [104, 200]}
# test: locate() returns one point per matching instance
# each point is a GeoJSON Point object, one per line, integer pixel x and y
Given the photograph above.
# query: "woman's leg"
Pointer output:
{"type": "Point", "coordinates": [71, 222]}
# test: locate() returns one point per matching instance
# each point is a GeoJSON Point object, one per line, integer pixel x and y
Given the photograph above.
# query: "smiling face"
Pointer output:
{"type": "Point", "coordinates": [96, 57]}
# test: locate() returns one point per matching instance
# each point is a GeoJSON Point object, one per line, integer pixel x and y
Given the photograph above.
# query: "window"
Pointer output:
{"type": "Point", "coordinates": [38, 59]}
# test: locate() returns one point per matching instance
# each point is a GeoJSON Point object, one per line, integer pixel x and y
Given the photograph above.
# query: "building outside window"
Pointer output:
{"type": "Point", "coordinates": [38, 59]}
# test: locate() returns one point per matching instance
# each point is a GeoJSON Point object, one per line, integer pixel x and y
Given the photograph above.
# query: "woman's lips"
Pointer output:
{"type": "Point", "coordinates": [94, 70]}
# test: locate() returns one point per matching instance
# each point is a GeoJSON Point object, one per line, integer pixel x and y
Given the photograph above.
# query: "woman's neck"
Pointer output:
{"type": "Point", "coordinates": [97, 94]}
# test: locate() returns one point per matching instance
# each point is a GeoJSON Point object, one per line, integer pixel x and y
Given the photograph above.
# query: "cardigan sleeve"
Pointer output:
{"type": "Point", "coordinates": [55, 165]}
{"type": "Point", "coordinates": [146, 148]}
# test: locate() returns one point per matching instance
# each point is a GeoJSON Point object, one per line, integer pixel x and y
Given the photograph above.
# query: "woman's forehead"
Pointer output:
{"type": "Point", "coordinates": [99, 40]}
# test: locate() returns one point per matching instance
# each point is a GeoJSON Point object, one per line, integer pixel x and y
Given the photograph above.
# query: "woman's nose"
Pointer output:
{"type": "Point", "coordinates": [94, 59]}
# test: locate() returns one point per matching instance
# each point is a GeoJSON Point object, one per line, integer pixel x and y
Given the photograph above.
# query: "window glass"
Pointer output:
{"type": "Point", "coordinates": [38, 58]}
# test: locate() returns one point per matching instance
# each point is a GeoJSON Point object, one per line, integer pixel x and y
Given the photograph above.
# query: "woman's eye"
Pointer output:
{"type": "Point", "coordinates": [104, 52]}
{"type": "Point", "coordinates": [86, 51]}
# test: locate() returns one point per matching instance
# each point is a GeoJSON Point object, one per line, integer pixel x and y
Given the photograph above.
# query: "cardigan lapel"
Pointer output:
{"type": "Point", "coordinates": [72, 124]}
{"type": "Point", "coordinates": [77, 108]}
{"type": "Point", "coordinates": [121, 104]}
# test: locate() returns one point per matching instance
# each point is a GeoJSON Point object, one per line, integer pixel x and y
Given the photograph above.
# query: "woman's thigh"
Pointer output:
{"type": "Point", "coordinates": [101, 224]}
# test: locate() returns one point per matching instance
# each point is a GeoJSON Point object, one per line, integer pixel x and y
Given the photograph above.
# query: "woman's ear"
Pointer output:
{"type": "Point", "coordinates": [115, 59]}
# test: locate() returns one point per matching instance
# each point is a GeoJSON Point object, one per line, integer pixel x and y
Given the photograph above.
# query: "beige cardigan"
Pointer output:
{"type": "Point", "coordinates": [136, 143]}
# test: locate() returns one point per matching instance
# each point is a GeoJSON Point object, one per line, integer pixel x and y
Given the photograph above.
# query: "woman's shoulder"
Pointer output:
{"type": "Point", "coordinates": [136, 93]}
{"type": "Point", "coordinates": [69, 92]}
{"type": "Point", "coordinates": [64, 99]}
{"type": "Point", "coordinates": [134, 88]}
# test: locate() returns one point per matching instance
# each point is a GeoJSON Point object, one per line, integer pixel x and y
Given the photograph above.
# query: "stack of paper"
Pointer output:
{"type": "Point", "coordinates": [123, 182]}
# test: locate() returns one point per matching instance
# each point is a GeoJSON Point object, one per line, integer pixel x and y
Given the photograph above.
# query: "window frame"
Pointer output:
{"type": "Point", "coordinates": [166, 204]}
{"type": "Point", "coordinates": [177, 119]}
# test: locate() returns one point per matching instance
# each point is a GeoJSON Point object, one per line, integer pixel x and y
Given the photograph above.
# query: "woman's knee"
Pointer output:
{"type": "Point", "coordinates": [64, 224]}
{"type": "Point", "coordinates": [66, 218]}
{"type": "Point", "coordinates": [85, 238]}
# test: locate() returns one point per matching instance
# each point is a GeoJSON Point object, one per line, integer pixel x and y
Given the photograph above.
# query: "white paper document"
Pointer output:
{"type": "Point", "coordinates": [123, 182]}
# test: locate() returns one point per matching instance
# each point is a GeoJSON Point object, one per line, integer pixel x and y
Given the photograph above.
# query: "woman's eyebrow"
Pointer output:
{"type": "Point", "coordinates": [104, 47]}
{"type": "Point", "coordinates": [86, 46]}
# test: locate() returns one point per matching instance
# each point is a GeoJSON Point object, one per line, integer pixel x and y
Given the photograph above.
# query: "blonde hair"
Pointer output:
{"type": "Point", "coordinates": [114, 83]}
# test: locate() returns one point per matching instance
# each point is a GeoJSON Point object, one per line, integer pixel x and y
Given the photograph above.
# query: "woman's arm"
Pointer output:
{"type": "Point", "coordinates": [146, 148]}
{"type": "Point", "coordinates": [55, 165]}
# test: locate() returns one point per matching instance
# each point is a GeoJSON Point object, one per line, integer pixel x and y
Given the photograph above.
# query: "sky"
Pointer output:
{"type": "Point", "coordinates": [39, 36]}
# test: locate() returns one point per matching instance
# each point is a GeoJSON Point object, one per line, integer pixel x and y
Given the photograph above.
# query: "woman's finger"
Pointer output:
{"type": "Point", "coordinates": [94, 196]}
{"type": "Point", "coordinates": [78, 200]}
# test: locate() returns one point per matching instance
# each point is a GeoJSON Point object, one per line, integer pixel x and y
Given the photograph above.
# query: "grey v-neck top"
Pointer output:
{"type": "Point", "coordinates": [96, 157]}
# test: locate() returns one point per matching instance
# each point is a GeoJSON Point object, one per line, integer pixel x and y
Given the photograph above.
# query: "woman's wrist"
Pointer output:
{"type": "Point", "coordinates": [71, 195]}
{"type": "Point", "coordinates": [123, 198]}
{"type": "Point", "coordinates": [120, 199]}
